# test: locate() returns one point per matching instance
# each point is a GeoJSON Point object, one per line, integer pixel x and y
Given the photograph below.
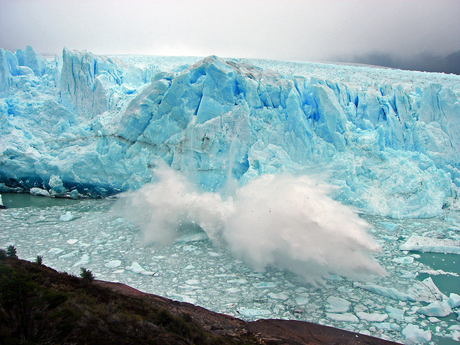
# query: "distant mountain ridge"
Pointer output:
{"type": "Point", "coordinates": [426, 62]}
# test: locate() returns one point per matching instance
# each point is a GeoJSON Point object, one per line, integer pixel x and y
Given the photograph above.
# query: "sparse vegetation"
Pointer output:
{"type": "Point", "coordinates": [39, 260]}
{"type": "Point", "coordinates": [11, 252]}
{"type": "Point", "coordinates": [3, 255]}
{"type": "Point", "coordinates": [87, 275]}
{"type": "Point", "coordinates": [41, 306]}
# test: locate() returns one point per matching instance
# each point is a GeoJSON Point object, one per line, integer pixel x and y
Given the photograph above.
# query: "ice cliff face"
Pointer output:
{"type": "Point", "coordinates": [81, 124]}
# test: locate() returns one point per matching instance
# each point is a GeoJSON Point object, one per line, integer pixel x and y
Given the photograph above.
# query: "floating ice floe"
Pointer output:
{"type": "Point", "coordinates": [438, 272]}
{"type": "Point", "coordinates": [415, 335]}
{"type": "Point", "coordinates": [280, 296]}
{"type": "Point", "coordinates": [345, 317]}
{"type": "Point", "coordinates": [136, 268]}
{"type": "Point", "coordinates": [302, 299]}
{"type": "Point", "coordinates": [454, 300]}
{"type": "Point", "coordinates": [395, 313]}
{"type": "Point", "coordinates": [69, 255]}
{"type": "Point", "coordinates": [439, 309]}
{"type": "Point", "coordinates": [337, 305]}
{"type": "Point", "coordinates": [113, 264]}
{"type": "Point", "coordinates": [249, 312]}
{"type": "Point", "coordinates": [84, 260]}
{"type": "Point", "coordinates": [55, 251]}
{"type": "Point", "coordinates": [67, 217]}
{"type": "Point", "coordinates": [431, 245]}
{"type": "Point", "coordinates": [372, 317]}
{"type": "Point", "coordinates": [424, 291]}
{"type": "Point", "coordinates": [389, 226]}
{"type": "Point", "coordinates": [264, 285]}
{"type": "Point", "coordinates": [405, 260]}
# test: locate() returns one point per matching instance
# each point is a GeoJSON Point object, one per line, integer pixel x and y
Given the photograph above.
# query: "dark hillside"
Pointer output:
{"type": "Point", "coordinates": [42, 306]}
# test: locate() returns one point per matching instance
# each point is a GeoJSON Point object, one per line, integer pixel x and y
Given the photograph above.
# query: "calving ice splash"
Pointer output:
{"type": "Point", "coordinates": [249, 175]}
{"type": "Point", "coordinates": [283, 221]}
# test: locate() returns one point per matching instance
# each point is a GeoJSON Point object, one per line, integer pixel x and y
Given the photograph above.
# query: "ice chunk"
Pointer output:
{"type": "Point", "coordinates": [39, 191]}
{"type": "Point", "coordinates": [113, 264]}
{"type": "Point", "coordinates": [67, 217]}
{"type": "Point", "coordinates": [455, 335]}
{"type": "Point", "coordinates": [439, 272]}
{"type": "Point", "coordinates": [405, 260]}
{"type": "Point", "coordinates": [84, 260]}
{"type": "Point", "coordinates": [237, 281]}
{"type": "Point", "coordinates": [387, 326]}
{"type": "Point", "coordinates": [454, 300]}
{"type": "Point", "coordinates": [192, 282]}
{"type": "Point", "coordinates": [337, 305]}
{"type": "Point", "coordinates": [431, 245]}
{"type": "Point", "coordinates": [346, 317]}
{"type": "Point", "coordinates": [439, 309]}
{"type": "Point", "coordinates": [424, 291]}
{"type": "Point", "coordinates": [433, 319]}
{"type": "Point", "coordinates": [387, 292]}
{"type": "Point", "coordinates": [281, 296]}
{"type": "Point", "coordinates": [254, 313]}
{"type": "Point", "coordinates": [414, 335]}
{"type": "Point", "coordinates": [264, 285]}
{"type": "Point", "coordinates": [55, 251]}
{"type": "Point", "coordinates": [372, 317]}
{"type": "Point", "coordinates": [395, 313]}
{"type": "Point", "coordinates": [389, 226]}
{"type": "Point", "coordinates": [69, 255]}
{"type": "Point", "coordinates": [136, 268]}
{"type": "Point", "coordinates": [57, 187]}
{"type": "Point", "coordinates": [302, 300]}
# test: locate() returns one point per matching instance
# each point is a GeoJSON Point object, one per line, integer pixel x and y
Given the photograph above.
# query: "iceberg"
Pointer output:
{"type": "Point", "coordinates": [415, 335]}
{"type": "Point", "coordinates": [81, 125]}
{"type": "Point", "coordinates": [439, 309]}
{"type": "Point", "coordinates": [372, 317]}
{"type": "Point", "coordinates": [431, 245]}
{"type": "Point", "coordinates": [424, 291]}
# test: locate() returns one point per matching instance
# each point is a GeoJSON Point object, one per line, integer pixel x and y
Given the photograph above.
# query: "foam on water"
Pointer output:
{"type": "Point", "coordinates": [282, 221]}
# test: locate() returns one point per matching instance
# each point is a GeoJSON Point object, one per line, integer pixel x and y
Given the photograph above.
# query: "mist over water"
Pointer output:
{"type": "Point", "coordinates": [281, 221]}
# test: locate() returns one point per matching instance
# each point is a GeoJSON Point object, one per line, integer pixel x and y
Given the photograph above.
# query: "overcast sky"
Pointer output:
{"type": "Point", "coordinates": [283, 29]}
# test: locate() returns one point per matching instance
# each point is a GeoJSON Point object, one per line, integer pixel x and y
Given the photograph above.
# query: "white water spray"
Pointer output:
{"type": "Point", "coordinates": [282, 221]}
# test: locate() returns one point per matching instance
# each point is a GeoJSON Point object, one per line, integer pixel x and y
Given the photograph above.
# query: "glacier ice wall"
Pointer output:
{"type": "Point", "coordinates": [81, 124]}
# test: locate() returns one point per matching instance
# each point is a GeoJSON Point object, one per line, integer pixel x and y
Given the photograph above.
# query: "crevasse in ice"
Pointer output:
{"type": "Point", "coordinates": [81, 124]}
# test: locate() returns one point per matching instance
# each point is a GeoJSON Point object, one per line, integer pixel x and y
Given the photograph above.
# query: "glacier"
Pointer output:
{"type": "Point", "coordinates": [81, 125]}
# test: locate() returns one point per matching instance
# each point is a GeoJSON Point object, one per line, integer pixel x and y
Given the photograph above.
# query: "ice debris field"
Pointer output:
{"type": "Point", "coordinates": [244, 184]}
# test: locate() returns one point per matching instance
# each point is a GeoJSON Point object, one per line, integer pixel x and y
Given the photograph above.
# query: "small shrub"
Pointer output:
{"type": "Point", "coordinates": [2, 255]}
{"type": "Point", "coordinates": [39, 260]}
{"type": "Point", "coordinates": [11, 252]}
{"type": "Point", "coordinates": [87, 275]}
